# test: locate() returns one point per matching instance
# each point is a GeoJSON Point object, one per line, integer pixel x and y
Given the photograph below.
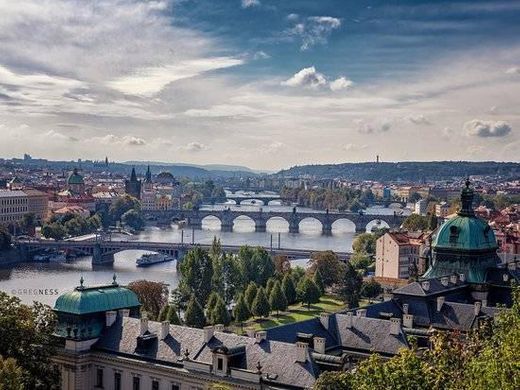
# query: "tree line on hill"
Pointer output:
{"type": "Point", "coordinates": [329, 198]}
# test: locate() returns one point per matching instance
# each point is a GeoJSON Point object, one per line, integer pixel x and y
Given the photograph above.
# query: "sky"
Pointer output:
{"type": "Point", "coordinates": [263, 83]}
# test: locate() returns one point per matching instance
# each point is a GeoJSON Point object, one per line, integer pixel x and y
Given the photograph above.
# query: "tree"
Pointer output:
{"type": "Point", "coordinates": [216, 249]}
{"type": "Point", "coordinates": [5, 239]}
{"type": "Point", "coordinates": [282, 265]}
{"type": "Point", "coordinates": [133, 219]}
{"type": "Point", "coordinates": [329, 266]}
{"type": "Point", "coordinates": [121, 205]}
{"type": "Point", "coordinates": [152, 295]}
{"type": "Point", "coordinates": [11, 375]}
{"type": "Point", "coordinates": [297, 274]}
{"type": "Point", "coordinates": [219, 314]}
{"type": "Point", "coordinates": [172, 317]}
{"type": "Point", "coordinates": [250, 295]}
{"type": "Point", "coordinates": [163, 313]}
{"type": "Point", "coordinates": [194, 315]}
{"type": "Point", "coordinates": [334, 380]}
{"type": "Point", "coordinates": [54, 230]}
{"type": "Point", "coordinates": [289, 289]}
{"type": "Point", "coordinates": [212, 300]}
{"type": "Point", "coordinates": [277, 299]}
{"type": "Point", "coordinates": [371, 289]}
{"type": "Point", "coordinates": [318, 280]}
{"type": "Point", "coordinates": [365, 243]}
{"type": "Point", "coordinates": [269, 286]}
{"type": "Point", "coordinates": [227, 278]}
{"type": "Point", "coordinates": [308, 292]}
{"type": "Point", "coordinates": [432, 221]}
{"type": "Point", "coordinates": [197, 274]}
{"type": "Point", "coordinates": [26, 335]}
{"type": "Point", "coordinates": [416, 222]}
{"type": "Point", "coordinates": [361, 262]}
{"type": "Point", "coordinates": [179, 299]}
{"type": "Point", "coordinates": [28, 222]}
{"type": "Point", "coordinates": [349, 287]}
{"type": "Point", "coordinates": [260, 307]}
{"type": "Point", "coordinates": [241, 312]}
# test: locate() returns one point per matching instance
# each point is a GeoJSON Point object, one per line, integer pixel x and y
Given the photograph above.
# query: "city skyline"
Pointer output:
{"type": "Point", "coordinates": [296, 82]}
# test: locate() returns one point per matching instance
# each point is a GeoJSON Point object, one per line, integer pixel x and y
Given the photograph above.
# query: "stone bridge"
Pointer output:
{"type": "Point", "coordinates": [227, 217]}
{"type": "Point", "coordinates": [103, 251]}
{"type": "Point", "coordinates": [265, 199]}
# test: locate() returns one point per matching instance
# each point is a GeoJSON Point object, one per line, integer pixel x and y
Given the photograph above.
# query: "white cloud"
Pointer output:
{"type": "Point", "coordinates": [313, 30]}
{"type": "Point", "coordinates": [194, 147]}
{"type": "Point", "coordinates": [340, 84]}
{"type": "Point", "coordinates": [376, 126]}
{"type": "Point", "coordinates": [307, 78]}
{"type": "Point", "coordinates": [513, 70]}
{"type": "Point", "coordinates": [150, 81]}
{"type": "Point", "coordinates": [127, 140]}
{"type": "Point", "coordinates": [480, 128]}
{"type": "Point", "coordinates": [351, 147]}
{"type": "Point", "coordinates": [418, 119]}
{"type": "Point", "coordinates": [261, 55]}
{"type": "Point", "coordinates": [225, 110]}
{"type": "Point", "coordinates": [250, 3]}
{"type": "Point", "coordinates": [57, 136]}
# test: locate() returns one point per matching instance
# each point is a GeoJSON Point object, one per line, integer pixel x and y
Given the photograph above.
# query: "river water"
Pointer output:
{"type": "Point", "coordinates": [44, 282]}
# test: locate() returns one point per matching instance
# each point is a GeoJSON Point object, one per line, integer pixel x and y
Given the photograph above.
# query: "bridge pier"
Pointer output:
{"type": "Point", "coordinates": [100, 258]}
{"type": "Point", "coordinates": [260, 226]}
{"type": "Point", "coordinates": [326, 229]}
{"type": "Point", "coordinates": [361, 228]}
{"type": "Point", "coordinates": [226, 227]}
{"type": "Point", "coordinates": [294, 227]}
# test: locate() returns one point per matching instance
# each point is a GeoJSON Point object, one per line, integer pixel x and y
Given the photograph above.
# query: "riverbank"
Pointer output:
{"type": "Point", "coordinates": [9, 258]}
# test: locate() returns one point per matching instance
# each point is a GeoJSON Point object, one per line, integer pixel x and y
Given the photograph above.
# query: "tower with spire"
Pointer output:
{"type": "Point", "coordinates": [133, 185]}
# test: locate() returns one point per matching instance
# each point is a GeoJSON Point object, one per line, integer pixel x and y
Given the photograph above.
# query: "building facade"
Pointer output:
{"type": "Point", "coordinates": [38, 204]}
{"type": "Point", "coordinates": [395, 253]}
{"type": "Point", "coordinates": [13, 206]}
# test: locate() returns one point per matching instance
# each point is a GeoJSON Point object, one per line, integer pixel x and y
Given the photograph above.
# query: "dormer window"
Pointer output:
{"type": "Point", "coordinates": [220, 364]}
{"type": "Point", "coordinates": [454, 234]}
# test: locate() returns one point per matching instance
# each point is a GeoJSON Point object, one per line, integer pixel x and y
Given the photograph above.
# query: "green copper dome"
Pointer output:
{"type": "Point", "coordinates": [465, 233]}
{"type": "Point", "coordinates": [84, 300]}
{"type": "Point", "coordinates": [75, 177]}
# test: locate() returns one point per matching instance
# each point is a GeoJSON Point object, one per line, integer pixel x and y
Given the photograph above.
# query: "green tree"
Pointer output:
{"type": "Point", "coordinates": [54, 230]}
{"type": "Point", "coordinates": [28, 222]}
{"type": "Point", "coordinates": [277, 299]}
{"type": "Point", "coordinates": [227, 278]}
{"type": "Point", "coordinates": [197, 274]}
{"type": "Point", "coordinates": [133, 219]}
{"type": "Point", "coordinates": [26, 335]}
{"type": "Point", "coordinates": [308, 292]}
{"type": "Point", "coordinates": [349, 288]}
{"type": "Point", "coordinates": [194, 315]}
{"type": "Point", "coordinates": [416, 222]}
{"type": "Point", "coordinates": [334, 380]}
{"type": "Point", "coordinates": [121, 205]}
{"type": "Point", "coordinates": [298, 273]}
{"type": "Point", "coordinates": [250, 295]}
{"type": "Point", "coordinates": [152, 295]}
{"type": "Point", "coordinates": [172, 317]}
{"type": "Point", "coordinates": [318, 280]}
{"type": "Point", "coordinates": [260, 307]}
{"type": "Point", "coordinates": [365, 243]}
{"type": "Point", "coordinates": [361, 262]}
{"type": "Point", "coordinates": [212, 300]}
{"type": "Point", "coordinates": [432, 221]}
{"type": "Point", "coordinates": [11, 375]}
{"type": "Point", "coordinates": [371, 289]}
{"type": "Point", "coordinates": [329, 266]}
{"type": "Point", "coordinates": [289, 289]}
{"type": "Point", "coordinates": [163, 313]}
{"type": "Point", "coordinates": [269, 286]}
{"type": "Point", "coordinates": [241, 312]}
{"type": "Point", "coordinates": [219, 314]}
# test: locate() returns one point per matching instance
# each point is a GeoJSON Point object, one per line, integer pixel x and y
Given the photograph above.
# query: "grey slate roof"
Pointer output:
{"type": "Point", "coordinates": [277, 358]}
{"type": "Point", "coordinates": [436, 287]}
{"type": "Point", "coordinates": [289, 333]}
{"type": "Point", "coordinates": [459, 316]}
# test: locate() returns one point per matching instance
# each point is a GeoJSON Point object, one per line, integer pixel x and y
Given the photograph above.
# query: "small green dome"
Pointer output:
{"type": "Point", "coordinates": [75, 178]}
{"type": "Point", "coordinates": [465, 233]}
{"type": "Point", "coordinates": [84, 300]}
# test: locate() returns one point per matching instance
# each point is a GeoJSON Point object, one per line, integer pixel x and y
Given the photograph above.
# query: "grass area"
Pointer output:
{"type": "Point", "coordinates": [296, 313]}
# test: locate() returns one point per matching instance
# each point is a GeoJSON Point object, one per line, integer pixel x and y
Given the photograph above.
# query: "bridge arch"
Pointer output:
{"type": "Point", "coordinates": [244, 223]}
{"type": "Point", "coordinates": [251, 201]}
{"type": "Point", "coordinates": [211, 222]}
{"type": "Point", "coordinates": [376, 224]}
{"type": "Point", "coordinates": [275, 202]}
{"type": "Point", "coordinates": [343, 225]}
{"type": "Point", "coordinates": [310, 225]}
{"type": "Point", "coordinates": [277, 225]}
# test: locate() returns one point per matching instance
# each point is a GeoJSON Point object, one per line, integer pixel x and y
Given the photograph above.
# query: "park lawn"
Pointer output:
{"type": "Point", "coordinates": [297, 313]}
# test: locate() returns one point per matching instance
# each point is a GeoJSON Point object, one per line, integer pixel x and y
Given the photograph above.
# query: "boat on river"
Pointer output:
{"type": "Point", "coordinates": [153, 258]}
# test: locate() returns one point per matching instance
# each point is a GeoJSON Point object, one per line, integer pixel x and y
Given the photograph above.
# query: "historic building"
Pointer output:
{"type": "Point", "coordinates": [160, 196]}
{"type": "Point", "coordinates": [13, 206]}
{"type": "Point", "coordinates": [133, 185]}
{"type": "Point", "coordinates": [75, 194]}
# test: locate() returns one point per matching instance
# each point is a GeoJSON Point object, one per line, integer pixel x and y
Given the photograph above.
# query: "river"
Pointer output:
{"type": "Point", "coordinates": [44, 282]}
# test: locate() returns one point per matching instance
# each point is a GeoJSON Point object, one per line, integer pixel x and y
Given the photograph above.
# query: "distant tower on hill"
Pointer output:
{"type": "Point", "coordinates": [106, 161]}
{"type": "Point", "coordinates": [377, 159]}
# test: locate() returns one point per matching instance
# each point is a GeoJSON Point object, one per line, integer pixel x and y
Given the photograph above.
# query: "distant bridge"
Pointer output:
{"type": "Point", "coordinates": [227, 217]}
{"type": "Point", "coordinates": [102, 251]}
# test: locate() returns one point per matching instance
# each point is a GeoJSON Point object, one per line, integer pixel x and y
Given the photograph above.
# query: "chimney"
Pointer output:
{"type": "Point", "coordinates": [110, 317]}
{"type": "Point", "coordinates": [219, 328]}
{"type": "Point", "coordinates": [324, 319]}
{"type": "Point", "coordinates": [208, 333]}
{"type": "Point", "coordinates": [454, 279]}
{"type": "Point", "coordinates": [301, 351]}
{"type": "Point", "coordinates": [124, 312]}
{"type": "Point", "coordinates": [405, 308]}
{"type": "Point", "coordinates": [361, 312]}
{"type": "Point", "coordinates": [144, 326]}
{"type": "Point", "coordinates": [445, 280]}
{"type": "Point", "coordinates": [408, 320]}
{"type": "Point", "coordinates": [484, 303]}
{"type": "Point", "coordinates": [478, 306]}
{"type": "Point", "coordinates": [260, 336]}
{"type": "Point", "coordinates": [350, 321]}
{"type": "Point", "coordinates": [440, 302]}
{"type": "Point", "coordinates": [395, 324]}
{"type": "Point", "coordinates": [319, 345]}
{"type": "Point", "coordinates": [462, 277]}
{"type": "Point", "coordinates": [165, 329]}
{"type": "Point", "coordinates": [425, 285]}
{"type": "Point", "coordinates": [250, 332]}
{"type": "Point", "coordinates": [505, 277]}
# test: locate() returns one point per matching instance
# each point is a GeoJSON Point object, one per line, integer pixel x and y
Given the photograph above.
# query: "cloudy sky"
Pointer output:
{"type": "Point", "coordinates": [263, 83]}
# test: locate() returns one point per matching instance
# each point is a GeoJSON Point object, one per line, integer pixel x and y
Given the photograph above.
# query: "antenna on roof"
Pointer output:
{"type": "Point", "coordinates": [114, 277]}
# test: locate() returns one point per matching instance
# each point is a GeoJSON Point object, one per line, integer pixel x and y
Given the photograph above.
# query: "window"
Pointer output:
{"type": "Point", "coordinates": [155, 385]}
{"type": "Point", "coordinates": [99, 377]}
{"type": "Point", "coordinates": [117, 381]}
{"type": "Point", "coordinates": [176, 386]}
{"type": "Point", "coordinates": [136, 383]}
{"type": "Point", "coordinates": [220, 364]}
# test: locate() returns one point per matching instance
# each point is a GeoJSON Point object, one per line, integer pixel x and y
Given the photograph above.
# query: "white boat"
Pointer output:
{"type": "Point", "coordinates": [58, 257]}
{"type": "Point", "coordinates": [153, 258]}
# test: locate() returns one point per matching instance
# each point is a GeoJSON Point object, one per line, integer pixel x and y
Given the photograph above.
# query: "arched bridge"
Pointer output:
{"type": "Point", "coordinates": [227, 217]}
{"type": "Point", "coordinates": [103, 251]}
{"type": "Point", "coordinates": [265, 199]}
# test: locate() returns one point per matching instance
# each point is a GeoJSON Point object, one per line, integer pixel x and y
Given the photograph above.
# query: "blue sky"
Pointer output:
{"type": "Point", "coordinates": [263, 83]}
